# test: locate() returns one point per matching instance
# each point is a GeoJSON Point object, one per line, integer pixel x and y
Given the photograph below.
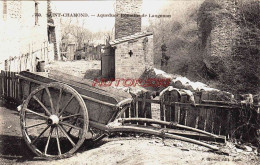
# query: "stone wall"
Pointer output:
{"type": "Point", "coordinates": [127, 25]}
{"type": "Point", "coordinates": [133, 66]}
{"type": "Point", "coordinates": [218, 27]}
{"type": "Point", "coordinates": [229, 35]}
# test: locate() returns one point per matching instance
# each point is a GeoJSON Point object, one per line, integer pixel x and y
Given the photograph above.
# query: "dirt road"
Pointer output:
{"type": "Point", "coordinates": [127, 150]}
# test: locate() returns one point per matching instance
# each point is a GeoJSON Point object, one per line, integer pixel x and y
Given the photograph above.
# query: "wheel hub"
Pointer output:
{"type": "Point", "coordinates": [53, 120]}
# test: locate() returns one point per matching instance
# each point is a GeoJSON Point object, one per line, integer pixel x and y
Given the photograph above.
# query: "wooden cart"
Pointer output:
{"type": "Point", "coordinates": [58, 114]}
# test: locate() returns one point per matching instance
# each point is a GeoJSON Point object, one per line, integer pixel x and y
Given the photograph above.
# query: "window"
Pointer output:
{"type": "Point", "coordinates": [4, 9]}
{"type": "Point", "coordinates": [130, 53]}
{"type": "Point", "coordinates": [36, 13]}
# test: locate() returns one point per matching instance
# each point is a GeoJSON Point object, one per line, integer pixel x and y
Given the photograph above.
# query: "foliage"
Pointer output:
{"type": "Point", "coordinates": [186, 37]}
{"type": "Point", "coordinates": [180, 34]}
{"type": "Point", "coordinates": [76, 28]}
{"type": "Point", "coordinates": [239, 72]}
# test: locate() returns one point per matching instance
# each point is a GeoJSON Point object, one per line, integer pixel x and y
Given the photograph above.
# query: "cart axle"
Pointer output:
{"type": "Point", "coordinates": [53, 120]}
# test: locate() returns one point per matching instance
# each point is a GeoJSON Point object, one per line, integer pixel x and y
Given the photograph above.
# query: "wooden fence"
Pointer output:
{"type": "Point", "coordinates": [9, 86]}
{"type": "Point", "coordinates": [218, 117]}
{"type": "Point", "coordinates": [29, 60]}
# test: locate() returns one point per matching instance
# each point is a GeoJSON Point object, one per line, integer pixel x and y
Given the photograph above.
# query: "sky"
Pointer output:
{"type": "Point", "coordinates": [96, 24]}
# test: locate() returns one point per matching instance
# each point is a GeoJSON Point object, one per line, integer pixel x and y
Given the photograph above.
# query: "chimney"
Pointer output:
{"type": "Point", "coordinates": [129, 18]}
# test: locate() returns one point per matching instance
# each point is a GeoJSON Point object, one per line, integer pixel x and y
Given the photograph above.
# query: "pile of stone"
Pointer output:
{"type": "Point", "coordinates": [180, 82]}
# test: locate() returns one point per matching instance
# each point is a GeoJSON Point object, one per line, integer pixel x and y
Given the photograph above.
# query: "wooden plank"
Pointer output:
{"type": "Point", "coordinates": [126, 114]}
{"type": "Point", "coordinates": [143, 106]}
{"type": "Point", "coordinates": [199, 136]}
{"type": "Point", "coordinates": [1, 83]}
{"type": "Point", "coordinates": [164, 113]}
{"type": "Point", "coordinates": [136, 108]}
{"type": "Point", "coordinates": [13, 85]}
{"type": "Point", "coordinates": [185, 116]}
{"type": "Point", "coordinates": [19, 90]}
{"type": "Point", "coordinates": [197, 118]}
{"type": "Point", "coordinates": [133, 108]}
{"type": "Point", "coordinates": [129, 112]}
{"type": "Point", "coordinates": [161, 108]}
{"type": "Point", "coordinates": [197, 105]}
{"type": "Point", "coordinates": [224, 121]}
{"type": "Point", "coordinates": [228, 123]}
{"type": "Point", "coordinates": [149, 100]}
{"type": "Point", "coordinates": [182, 115]}
{"type": "Point", "coordinates": [213, 113]}
{"type": "Point", "coordinates": [191, 116]}
{"type": "Point", "coordinates": [16, 88]}
{"type": "Point", "coordinates": [167, 108]}
{"type": "Point", "coordinates": [177, 113]}
{"type": "Point", "coordinates": [208, 120]}
{"type": "Point", "coordinates": [205, 118]}
{"type": "Point", "coordinates": [217, 122]}
{"type": "Point", "coordinates": [8, 85]}
{"type": "Point", "coordinates": [148, 106]}
{"type": "Point", "coordinates": [5, 84]}
{"type": "Point", "coordinates": [218, 102]}
{"type": "Point", "coordinates": [201, 118]}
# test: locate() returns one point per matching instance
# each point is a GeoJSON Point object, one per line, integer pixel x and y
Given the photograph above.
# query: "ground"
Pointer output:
{"type": "Point", "coordinates": [136, 150]}
{"type": "Point", "coordinates": [81, 68]}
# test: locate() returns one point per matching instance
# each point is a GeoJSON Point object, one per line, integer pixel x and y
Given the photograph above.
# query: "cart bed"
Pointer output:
{"type": "Point", "coordinates": [102, 109]}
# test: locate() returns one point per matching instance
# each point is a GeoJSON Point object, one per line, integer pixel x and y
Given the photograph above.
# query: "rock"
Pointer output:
{"type": "Point", "coordinates": [177, 144]}
{"type": "Point", "coordinates": [245, 148]}
{"type": "Point", "coordinates": [239, 150]}
{"type": "Point", "coordinates": [248, 149]}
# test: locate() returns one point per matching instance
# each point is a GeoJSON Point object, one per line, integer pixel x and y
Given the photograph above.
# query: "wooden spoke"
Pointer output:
{"type": "Point", "coordinates": [66, 117]}
{"type": "Point", "coordinates": [58, 102]}
{"type": "Point", "coordinates": [28, 110]}
{"type": "Point", "coordinates": [69, 125]}
{"type": "Point", "coordinates": [58, 141]}
{"type": "Point", "coordinates": [40, 134]}
{"type": "Point", "coordinates": [75, 121]}
{"type": "Point", "coordinates": [50, 98]}
{"type": "Point", "coordinates": [48, 141]}
{"type": "Point", "coordinates": [41, 142]}
{"type": "Point", "coordinates": [27, 127]}
{"type": "Point", "coordinates": [71, 98]}
{"type": "Point", "coordinates": [65, 133]}
{"type": "Point", "coordinates": [43, 106]}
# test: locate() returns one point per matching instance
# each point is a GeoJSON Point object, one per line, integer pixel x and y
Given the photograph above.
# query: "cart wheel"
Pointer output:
{"type": "Point", "coordinates": [54, 120]}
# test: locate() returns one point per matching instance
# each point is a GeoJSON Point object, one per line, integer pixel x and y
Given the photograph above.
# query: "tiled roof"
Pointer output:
{"type": "Point", "coordinates": [128, 38]}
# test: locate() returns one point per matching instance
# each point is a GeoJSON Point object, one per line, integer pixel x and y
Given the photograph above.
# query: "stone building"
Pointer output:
{"type": "Point", "coordinates": [26, 35]}
{"type": "Point", "coordinates": [128, 21]}
{"type": "Point", "coordinates": [131, 53]}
